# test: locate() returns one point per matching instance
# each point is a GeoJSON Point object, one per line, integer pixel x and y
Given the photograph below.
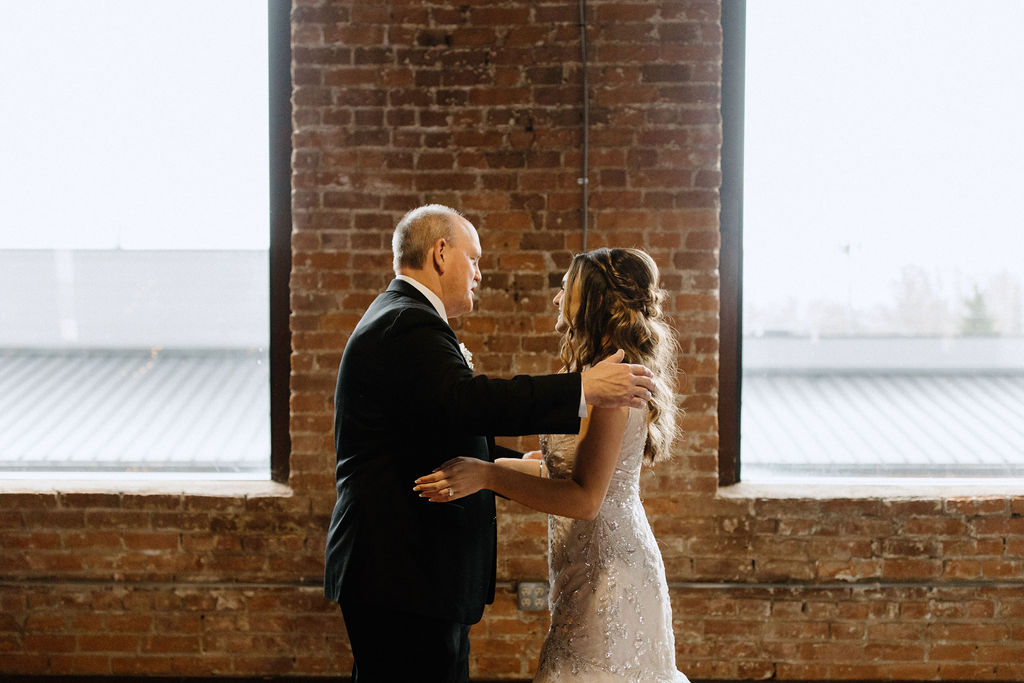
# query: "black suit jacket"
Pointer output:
{"type": "Point", "coordinates": [405, 402]}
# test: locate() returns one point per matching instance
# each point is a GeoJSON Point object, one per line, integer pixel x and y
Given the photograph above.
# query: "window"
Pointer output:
{"type": "Point", "coordinates": [141, 257]}
{"type": "Point", "coordinates": [871, 151]}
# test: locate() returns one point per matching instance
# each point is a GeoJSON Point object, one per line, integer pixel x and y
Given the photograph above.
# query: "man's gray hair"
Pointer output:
{"type": "Point", "coordinates": [417, 232]}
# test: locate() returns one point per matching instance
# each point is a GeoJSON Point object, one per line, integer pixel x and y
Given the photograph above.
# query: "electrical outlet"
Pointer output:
{"type": "Point", "coordinates": [532, 596]}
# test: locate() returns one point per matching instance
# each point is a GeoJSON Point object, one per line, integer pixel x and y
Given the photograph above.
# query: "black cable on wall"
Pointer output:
{"type": "Point", "coordinates": [584, 179]}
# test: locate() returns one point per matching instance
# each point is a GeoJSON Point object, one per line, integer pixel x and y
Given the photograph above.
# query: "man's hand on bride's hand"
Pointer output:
{"type": "Point", "coordinates": [457, 478]}
{"type": "Point", "coordinates": [533, 455]}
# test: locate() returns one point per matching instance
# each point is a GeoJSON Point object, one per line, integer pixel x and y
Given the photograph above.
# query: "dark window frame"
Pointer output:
{"type": "Point", "coordinates": [730, 369]}
{"type": "Point", "coordinates": [730, 353]}
{"type": "Point", "coordinates": [280, 149]}
{"type": "Point", "coordinates": [280, 224]}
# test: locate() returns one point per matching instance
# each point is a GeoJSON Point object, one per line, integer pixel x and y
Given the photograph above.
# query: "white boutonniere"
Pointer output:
{"type": "Point", "coordinates": [467, 355]}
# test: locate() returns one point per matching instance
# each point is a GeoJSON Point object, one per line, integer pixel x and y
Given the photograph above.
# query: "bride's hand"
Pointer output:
{"type": "Point", "coordinates": [457, 478]}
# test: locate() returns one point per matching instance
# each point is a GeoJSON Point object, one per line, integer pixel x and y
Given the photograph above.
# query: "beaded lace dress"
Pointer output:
{"type": "Point", "coordinates": [610, 614]}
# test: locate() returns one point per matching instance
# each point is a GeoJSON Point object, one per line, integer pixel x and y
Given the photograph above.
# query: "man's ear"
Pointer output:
{"type": "Point", "coordinates": [440, 254]}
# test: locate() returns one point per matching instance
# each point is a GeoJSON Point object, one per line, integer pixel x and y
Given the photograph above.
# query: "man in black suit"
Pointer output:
{"type": "Point", "coordinates": [411, 577]}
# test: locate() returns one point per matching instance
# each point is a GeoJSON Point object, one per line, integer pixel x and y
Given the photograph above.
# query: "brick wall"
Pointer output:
{"type": "Point", "coordinates": [477, 105]}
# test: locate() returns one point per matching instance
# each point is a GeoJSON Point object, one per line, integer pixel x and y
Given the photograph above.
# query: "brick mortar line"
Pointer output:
{"type": "Point", "coordinates": [511, 585]}
{"type": "Point", "coordinates": [155, 584]}
{"type": "Point", "coordinates": [837, 585]}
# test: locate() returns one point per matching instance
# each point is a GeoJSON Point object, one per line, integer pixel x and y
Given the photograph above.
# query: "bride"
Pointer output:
{"type": "Point", "coordinates": [610, 614]}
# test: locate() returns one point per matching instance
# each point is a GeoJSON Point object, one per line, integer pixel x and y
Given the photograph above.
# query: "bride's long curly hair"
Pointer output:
{"type": "Point", "coordinates": [613, 301]}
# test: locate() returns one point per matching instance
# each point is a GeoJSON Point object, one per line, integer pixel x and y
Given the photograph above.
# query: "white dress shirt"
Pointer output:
{"type": "Point", "coordinates": [434, 299]}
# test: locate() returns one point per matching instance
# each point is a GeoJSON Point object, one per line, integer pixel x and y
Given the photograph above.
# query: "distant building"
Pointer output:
{"type": "Point", "coordinates": [882, 407]}
{"type": "Point", "coordinates": [134, 361]}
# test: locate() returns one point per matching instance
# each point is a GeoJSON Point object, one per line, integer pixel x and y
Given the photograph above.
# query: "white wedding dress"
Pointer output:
{"type": "Point", "coordinates": [610, 614]}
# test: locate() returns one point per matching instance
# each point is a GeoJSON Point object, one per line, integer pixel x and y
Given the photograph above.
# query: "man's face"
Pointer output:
{"type": "Point", "coordinates": [463, 269]}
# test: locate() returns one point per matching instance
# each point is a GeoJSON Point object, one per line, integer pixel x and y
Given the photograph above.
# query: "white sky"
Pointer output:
{"type": "Point", "coordinates": [887, 128]}
{"type": "Point", "coordinates": [133, 124]}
